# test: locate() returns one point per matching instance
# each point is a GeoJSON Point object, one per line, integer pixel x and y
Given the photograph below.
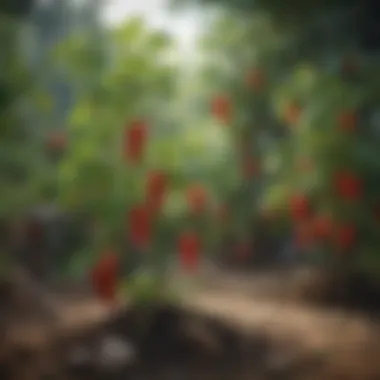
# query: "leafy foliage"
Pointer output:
{"type": "Point", "coordinates": [277, 128]}
{"type": "Point", "coordinates": [318, 178]}
{"type": "Point", "coordinates": [136, 85]}
{"type": "Point", "coordinates": [21, 150]}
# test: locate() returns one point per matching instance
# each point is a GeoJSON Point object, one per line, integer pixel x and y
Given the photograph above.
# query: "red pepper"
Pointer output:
{"type": "Point", "coordinates": [104, 276]}
{"type": "Point", "coordinates": [140, 226]}
{"type": "Point", "coordinates": [196, 198]}
{"type": "Point", "coordinates": [156, 188]}
{"type": "Point", "coordinates": [348, 186]}
{"type": "Point", "coordinates": [322, 226]}
{"type": "Point", "coordinates": [221, 108]}
{"type": "Point", "coordinates": [299, 207]}
{"type": "Point", "coordinates": [345, 236]}
{"type": "Point", "coordinates": [135, 141]}
{"type": "Point", "coordinates": [189, 250]}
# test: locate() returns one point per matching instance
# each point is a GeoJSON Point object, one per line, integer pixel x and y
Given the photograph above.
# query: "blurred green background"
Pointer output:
{"type": "Point", "coordinates": [261, 116]}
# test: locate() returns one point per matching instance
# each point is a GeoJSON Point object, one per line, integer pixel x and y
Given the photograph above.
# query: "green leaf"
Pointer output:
{"type": "Point", "coordinates": [129, 33]}
{"type": "Point", "coordinates": [159, 41]}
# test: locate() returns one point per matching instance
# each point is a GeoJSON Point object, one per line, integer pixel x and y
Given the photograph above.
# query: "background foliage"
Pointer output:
{"type": "Point", "coordinates": [274, 133]}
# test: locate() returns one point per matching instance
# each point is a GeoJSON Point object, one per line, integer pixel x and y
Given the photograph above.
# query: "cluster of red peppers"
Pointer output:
{"type": "Point", "coordinates": [346, 185]}
{"type": "Point", "coordinates": [141, 216]}
{"type": "Point", "coordinates": [310, 227]}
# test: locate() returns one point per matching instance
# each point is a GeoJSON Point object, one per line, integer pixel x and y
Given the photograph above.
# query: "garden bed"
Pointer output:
{"type": "Point", "coordinates": [215, 334]}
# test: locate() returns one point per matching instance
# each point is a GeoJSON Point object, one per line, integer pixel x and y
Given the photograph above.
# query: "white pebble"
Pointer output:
{"type": "Point", "coordinates": [115, 352]}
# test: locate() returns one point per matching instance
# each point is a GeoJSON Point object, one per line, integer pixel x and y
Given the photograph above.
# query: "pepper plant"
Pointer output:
{"type": "Point", "coordinates": [132, 166]}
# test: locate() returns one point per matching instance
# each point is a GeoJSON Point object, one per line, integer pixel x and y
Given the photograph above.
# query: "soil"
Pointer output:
{"type": "Point", "coordinates": [231, 328]}
{"type": "Point", "coordinates": [352, 292]}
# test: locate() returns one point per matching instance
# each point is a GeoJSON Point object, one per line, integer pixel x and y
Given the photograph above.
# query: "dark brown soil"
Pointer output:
{"type": "Point", "coordinates": [218, 333]}
{"type": "Point", "coordinates": [176, 343]}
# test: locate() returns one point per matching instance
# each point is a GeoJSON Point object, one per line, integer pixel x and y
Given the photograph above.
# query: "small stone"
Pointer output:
{"type": "Point", "coordinates": [115, 353]}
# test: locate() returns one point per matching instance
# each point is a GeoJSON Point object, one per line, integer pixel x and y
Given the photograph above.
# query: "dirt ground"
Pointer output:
{"type": "Point", "coordinates": [231, 327]}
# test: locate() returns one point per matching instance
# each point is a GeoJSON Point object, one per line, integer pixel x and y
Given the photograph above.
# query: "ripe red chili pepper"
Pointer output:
{"type": "Point", "coordinates": [156, 188]}
{"type": "Point", "coordinates": [140, 226]}
{"type": "Point", "coordinates": [104, 276]}
{"type": "Point", "coordinates": [299, 207]}
{"type": "Point", "coordinates": [196, 198]}
{"type": "Point", "coordinates": [189, 250]}
{"type": "Point", "coordinates": [348, 186]}
{"type": "Point", "coordinates": [134, 141]}
{"type": "Point", "coordinates": [221, 108]}
{"type": "Point", "coordinates": [322, 226]}
{"type": "Point", "coordinates": [345, 236]}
